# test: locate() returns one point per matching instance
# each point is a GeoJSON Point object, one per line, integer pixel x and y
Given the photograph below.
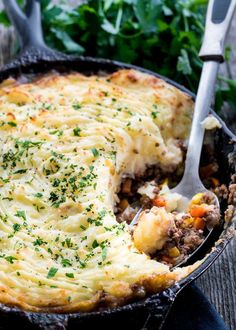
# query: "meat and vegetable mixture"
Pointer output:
{"type": "Point", "coordinates": [164, 231]}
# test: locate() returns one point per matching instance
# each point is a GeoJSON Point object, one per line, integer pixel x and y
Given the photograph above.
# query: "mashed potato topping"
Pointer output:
{"type": "Point", "coordinates": [211, 122]}
{"type": "Point", "coordinates": [151, 232]}
{"type": "Point", "coordinates": [66, 143]}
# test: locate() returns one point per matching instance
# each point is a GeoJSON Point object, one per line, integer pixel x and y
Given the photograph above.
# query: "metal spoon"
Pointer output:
{"type": "Point", "coordinates": [219, 15]}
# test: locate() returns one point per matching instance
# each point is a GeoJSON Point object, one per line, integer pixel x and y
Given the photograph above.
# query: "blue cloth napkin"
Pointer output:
{"type": "Point", "coordinates": [193, 311]}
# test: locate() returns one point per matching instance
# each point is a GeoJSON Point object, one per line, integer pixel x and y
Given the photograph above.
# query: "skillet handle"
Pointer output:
{"type": "Point", "coordinates": [29, 29]}
{"type": "Point", "coordinates": [28, 24]}
{"type": "Point", "coordinates": [159, 308]}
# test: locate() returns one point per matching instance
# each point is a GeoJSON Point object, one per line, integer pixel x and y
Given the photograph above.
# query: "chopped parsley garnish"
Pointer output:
{"type": "Point", "coordinates": [56, 183]}
{"type": "Point", "coordinates": [102, 213]}
{"type": "Point", "coordinates": [10, 259]}
{"type": "Point", "coordinates": [16, 227]}
{"type": "Point", "coordinates": [56, 199]}
{"type": "Point", "coordinates": [113, 155]}
{"type": "Point", "coordinates": [66, 263]}
{"type": "Point", "coordinates": [25, 145]}
{"type": "Point", "coordinates": [95, 152]}
{"type": "Point", "coordinates": [95, 244]}
{"type": "Point", "coordinates": [69, 184]}
{"type": "Point", "coordinates": [86, 180]}
{"type": "Point", "coordinates": [12, 123]}
{"type": "Point", "coordinates": [81, 262]}
{"type": "Point", "coordinates": [38, 195]}
{"type": "Point", "coordinates": [76, 106]}
{"type": "Point", "coordinates": [7, 198]}
{"type": "Point", "coordinates": [38, 241]}
{"type": "Point", "coordinates": [98, 221]}
{"type": "Point", "coordinates": [154, 114]}
{"type": "Point", "coordinates": [46, 106]}
{"type": "Point", "coordinates": [8, 157]}
{"type": "Point", "coordinates": [23, 170]}
{"type": "Point", "coordinates": [11, 157]}
{"type": "Point", "coordinates": [104, 253]}
{"type": "Point", "coordinates": [89, 208]}
{"type": "Point", "coordinates": [21, 214]}
{"type": "Point", "coordinates": [76, 131]}
{"type": "Point", "coordinates": [68, 242]}
{"type": "Point", "coordinates": [56, 132]}
{"type": "Point", "coordinates": [56, 154]}
{"type": "Point", "coordinates": [52, 272]}
{"type": "Point", "coordinates": [70, 275]}
{"type": "Point", "coordinates": [3, 217]}
{"type": "Point", "coordinates": [4, 180]}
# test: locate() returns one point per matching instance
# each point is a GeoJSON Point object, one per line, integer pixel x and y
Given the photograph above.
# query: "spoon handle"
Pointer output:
{"type": "Point", "coordinates": [219, 15]}
{"type": "Point", "coordinates": [202, 107]}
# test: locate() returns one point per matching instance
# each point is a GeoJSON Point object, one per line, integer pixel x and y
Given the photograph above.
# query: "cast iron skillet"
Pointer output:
{"type": "Point", "coordinates": [151, 312]}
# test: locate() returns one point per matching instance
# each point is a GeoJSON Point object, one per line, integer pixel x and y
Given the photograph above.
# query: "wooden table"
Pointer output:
{"type": "Point", "coordinates": [219, 282]}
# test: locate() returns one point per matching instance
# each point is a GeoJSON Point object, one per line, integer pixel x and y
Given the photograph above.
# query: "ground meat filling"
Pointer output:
{"type": "Point", "coordinates": [184, 232]}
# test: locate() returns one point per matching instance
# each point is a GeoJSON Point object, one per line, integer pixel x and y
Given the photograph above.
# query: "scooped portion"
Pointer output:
{"type": "Point", "coordinates": [167, 234]}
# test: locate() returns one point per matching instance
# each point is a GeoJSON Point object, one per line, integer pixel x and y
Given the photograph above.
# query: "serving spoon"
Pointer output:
{"type": "Point", "coordinates": [219, 15]}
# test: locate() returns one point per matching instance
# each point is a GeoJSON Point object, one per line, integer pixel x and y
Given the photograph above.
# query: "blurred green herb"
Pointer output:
{"type": "Point", "coordinates": [161, 35]}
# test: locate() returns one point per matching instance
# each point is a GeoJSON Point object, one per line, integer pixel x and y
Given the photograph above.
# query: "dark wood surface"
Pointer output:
{"type": "Point", "coordinates": [219, 282]}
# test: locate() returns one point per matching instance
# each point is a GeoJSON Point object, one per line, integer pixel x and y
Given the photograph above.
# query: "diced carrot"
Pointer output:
{"type": "Point", "coordinates": [166, 259]}
{"type": "Point", "coordinates": [199, 224]}
{"type": "Point", "coordinates": [208, 170]}
{"type": "Point", "coordinates": [159, 202]}
{"type": "Point", "coordinates": [126, 186]}
{"type": "Point", "coordinates": [215, 182]}
{"type": "Point", "coordinates": [123, 204]}
{"type": "Point", "coordinates": [198, 211]}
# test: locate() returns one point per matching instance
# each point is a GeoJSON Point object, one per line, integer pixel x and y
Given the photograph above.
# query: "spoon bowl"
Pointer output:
{"type": "Point", "coordinates": [188, 189]}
